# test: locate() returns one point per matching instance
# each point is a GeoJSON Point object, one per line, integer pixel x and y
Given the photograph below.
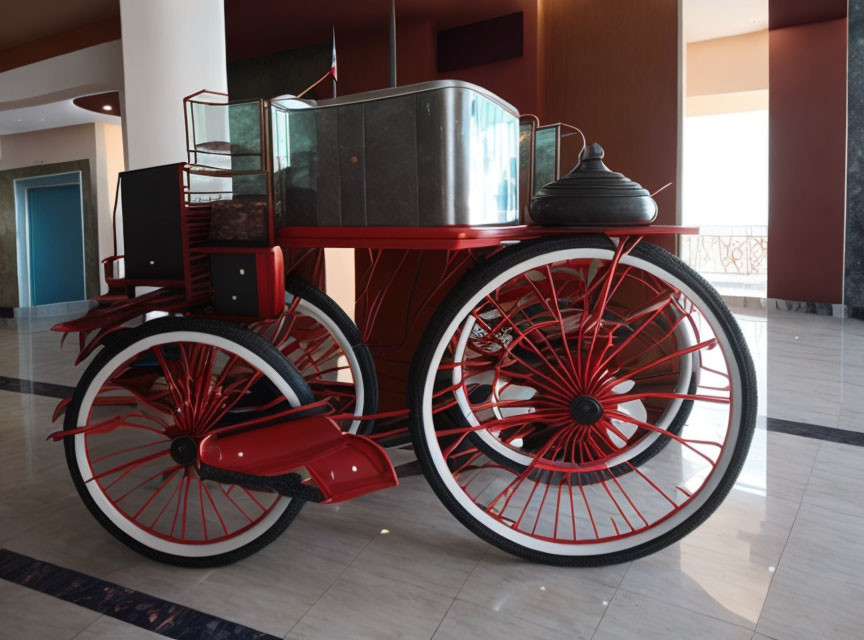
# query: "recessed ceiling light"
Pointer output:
{"type": "Point", "coordinates": [107, 107]}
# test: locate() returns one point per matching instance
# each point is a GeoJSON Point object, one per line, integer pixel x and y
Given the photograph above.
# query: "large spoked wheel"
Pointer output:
{"type": "Point", "coordinates": [148, 399]}
{"type": "Point", "coordinates": [319, 338]}
{"type": "Point", "coordinates": [581, 403]}
{"type": "Point", "coordinates": [670, 416]}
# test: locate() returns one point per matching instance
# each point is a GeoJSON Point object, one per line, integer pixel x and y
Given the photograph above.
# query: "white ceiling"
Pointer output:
{"type": "Point", "coordinates": [48, 116]}
{"type": "Point", "coordinates": [708, 19]}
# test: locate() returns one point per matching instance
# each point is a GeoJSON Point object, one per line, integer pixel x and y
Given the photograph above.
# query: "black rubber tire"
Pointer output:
{"type": "Point", "coordinates": [473, 282]}
{"type": "Point", "coordinates": [236, 333]}
{"type": "Point", "coordinates": [305, 291]}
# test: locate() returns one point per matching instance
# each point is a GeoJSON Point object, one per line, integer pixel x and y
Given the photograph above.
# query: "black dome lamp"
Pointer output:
{"type": "Point", "coordinates": [591, 194]}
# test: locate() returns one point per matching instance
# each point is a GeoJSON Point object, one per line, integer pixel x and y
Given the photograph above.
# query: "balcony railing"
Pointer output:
{"type": "Point", "coordinates": [718, 250]}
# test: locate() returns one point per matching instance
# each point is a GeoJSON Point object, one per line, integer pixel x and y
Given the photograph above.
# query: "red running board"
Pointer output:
{"type": "Point", "coordinates": [342, 465]}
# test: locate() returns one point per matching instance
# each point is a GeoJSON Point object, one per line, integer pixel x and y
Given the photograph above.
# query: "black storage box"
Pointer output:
{"type": "Point", "coordinates": [152, 199]}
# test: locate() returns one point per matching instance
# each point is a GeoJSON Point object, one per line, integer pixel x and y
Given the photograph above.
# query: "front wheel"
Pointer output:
{"type": "Point", "coordinates": [604, 401]}
{"type": "Point", "coordinates": [142, 407]}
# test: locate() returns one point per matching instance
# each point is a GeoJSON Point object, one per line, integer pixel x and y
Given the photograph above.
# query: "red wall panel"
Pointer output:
{"type": "Point", "coordinates": [807, 175]}
{"type": "Point", "coordinates": [611, 68]}
{"type": "Point", "coordinates": [364, 61]}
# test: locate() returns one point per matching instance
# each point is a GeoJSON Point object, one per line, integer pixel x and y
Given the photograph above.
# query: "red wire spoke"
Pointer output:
{"type": "Point", "coordinates": [201, 502]}
{"type": "Point", "coordinates": [128, 449]}
{"type": "Point", "coordinates": [165, 506]}
{"type": "Point", "coordinates": [572, 505]}
{"type": "Point", "coordinates": [161, 472]}
{"type": "Point", "coordinates": [714, 371]}
{"type": "Point", "coordinates": [604, 300]}
{"type": "Point", "coordinates": [636, 333]}
{"type": "Point", "coordinates": [173, 387]}
{"type": "Point", "coordinates": [125, 465]}
{"type": "Point", "coordinates": [617, 506]}
{"type": "Point", "coordinates": [254, 499]}
{"type": "Point", "coordinates": [567, 349]}
{"type": "Point", "coordinates": [111, 424]}
{"type": "Point", "coordinates": [497, 423]}
{"type": "Point", "coordinates": [686, 442]}
{"type": "Point", "coordinates": [627, 497]}
{"type": "Point", "coordinates": [520, 478]}
{"type": "Point", "coordinates": [185, 507]}
{"type": "Point", "coordinates": [231, 500]}
{"type": "Point", "coordinates": [590, 514]}
{"type": "Point", "coordinates": [215, 509]}
{"type": "Point", "coordinates": [670, 396]}
{"type": "Point", "coordinates": [467, 464]}
{"type": "Point", "coordinates": [308, 359]}
{"type": "Point", "coordinates": [152, 497]}
{"type": "Point", "coordinates": [183, 482]}
{"type": "Point", "coordinates": [602, 321]}
{"type": "Point", "coordinates": [153, 401]}
{"type": "Point", "coordinates": [557, 509]}
{"type": "Point", "coordinates": [562, 383]}
{"type": "Point", "coordinates": [650, 482]}
{"type": "Point", "coordinates": [129, 470]}
{"type": "Point", "coordinates": [606, 386]}
{"type": "Point", "coordinates": [557, 384]}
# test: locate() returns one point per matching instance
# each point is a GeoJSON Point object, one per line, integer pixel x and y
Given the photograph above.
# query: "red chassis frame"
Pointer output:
{"type": "Point", "coordinates": [403, 273]}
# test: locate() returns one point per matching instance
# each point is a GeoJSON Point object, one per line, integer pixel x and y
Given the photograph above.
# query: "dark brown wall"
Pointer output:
{"type": "Point", "coordinates": [362, 43]}
{"type": "Point", "coordinates": [807, 162]}
{"type": "Point", "coordinates": [610, 67]}
{"type": "Point", "coordinates": [792, 13]}
{"type": "Point", "coordinates": [81, 37]}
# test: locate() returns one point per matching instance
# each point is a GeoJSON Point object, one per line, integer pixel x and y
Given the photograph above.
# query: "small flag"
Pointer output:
{"type": "Point", "coordinates": [333, 61]}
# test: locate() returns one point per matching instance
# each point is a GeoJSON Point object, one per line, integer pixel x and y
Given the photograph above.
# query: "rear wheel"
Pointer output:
{"type": "Point", "coordinates": [145, 402]}
{"type": "Point", "coordinates": [606, 401]}
{"type": "Point", "coordinates": [319, 338]}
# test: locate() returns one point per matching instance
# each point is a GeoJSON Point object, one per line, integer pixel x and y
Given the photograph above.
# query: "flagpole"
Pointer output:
{"type": "Point", "coordinates": [393, 43]}
{"type": "Point", "coordinates": [334, 61]}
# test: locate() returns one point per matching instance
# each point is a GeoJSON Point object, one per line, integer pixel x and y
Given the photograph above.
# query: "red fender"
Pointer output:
{"type": "Point", "coordinates": [342, 465]}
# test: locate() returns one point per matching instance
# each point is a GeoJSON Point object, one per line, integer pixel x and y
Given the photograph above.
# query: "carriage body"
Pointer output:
{"type": "Point", "coordinates": [484, 338]}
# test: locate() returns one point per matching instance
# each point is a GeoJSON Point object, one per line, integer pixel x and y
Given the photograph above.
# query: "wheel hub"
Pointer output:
{"type": "Point", "coordinates": [586, 410]}
{"type": "Point", "coordinates": [184, 450]}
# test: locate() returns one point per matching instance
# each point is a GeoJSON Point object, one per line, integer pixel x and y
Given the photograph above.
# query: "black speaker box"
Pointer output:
{"type": "Point", "coordinates": [152, 199]}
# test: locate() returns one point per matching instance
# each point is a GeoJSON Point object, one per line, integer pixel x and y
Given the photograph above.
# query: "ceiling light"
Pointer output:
{"type": "Point", "coordinates": [107, 107]}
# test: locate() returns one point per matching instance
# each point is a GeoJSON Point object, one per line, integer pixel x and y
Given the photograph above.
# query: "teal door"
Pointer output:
{"type": "Point", "coordinates": [56, 244]}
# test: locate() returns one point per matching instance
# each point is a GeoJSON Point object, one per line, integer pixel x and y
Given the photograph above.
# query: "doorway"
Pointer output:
{"type": "Point", "coordinates": [726, 144]}
{"type": "Point", "coordinates": [50, 239]}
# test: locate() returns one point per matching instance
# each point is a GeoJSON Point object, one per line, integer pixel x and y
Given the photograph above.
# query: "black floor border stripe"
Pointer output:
{"type": "Point", "coordinates": [31, 387]}
{"type": "Point", "coordinates": [815, 431]}
{"type": "Point", "coordinates": [777, 425]}
{"type": "Point", "coordinates": [130, 606]}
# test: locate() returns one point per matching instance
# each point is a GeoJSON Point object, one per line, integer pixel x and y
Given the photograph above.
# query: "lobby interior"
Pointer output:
{"type": "Point", "coordinates": [742, 118]}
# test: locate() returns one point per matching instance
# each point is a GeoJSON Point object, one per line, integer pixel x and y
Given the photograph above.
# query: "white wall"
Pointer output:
{"type": "Point", "coordinates": [61, 144]}
{"type": "Point", "coordinates": [99, 143]}
{"type": "Point", "coordinates": [109, 162]}
{"type": "Point", "coordinates": [170, 50]}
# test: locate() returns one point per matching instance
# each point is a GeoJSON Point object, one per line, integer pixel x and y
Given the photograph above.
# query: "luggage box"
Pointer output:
{"type": "Point", "coordinates": [431, 154]}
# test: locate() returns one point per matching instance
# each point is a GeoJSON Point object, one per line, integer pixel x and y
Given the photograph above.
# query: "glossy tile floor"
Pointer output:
{"type": "Point", "coordinates": [782, 558]}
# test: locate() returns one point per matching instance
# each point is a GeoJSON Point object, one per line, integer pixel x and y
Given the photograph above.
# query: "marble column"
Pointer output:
{"type": "Point", "coordinates": [171, 49]}
{"type": "Point", "coordinates": [854, 276]}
